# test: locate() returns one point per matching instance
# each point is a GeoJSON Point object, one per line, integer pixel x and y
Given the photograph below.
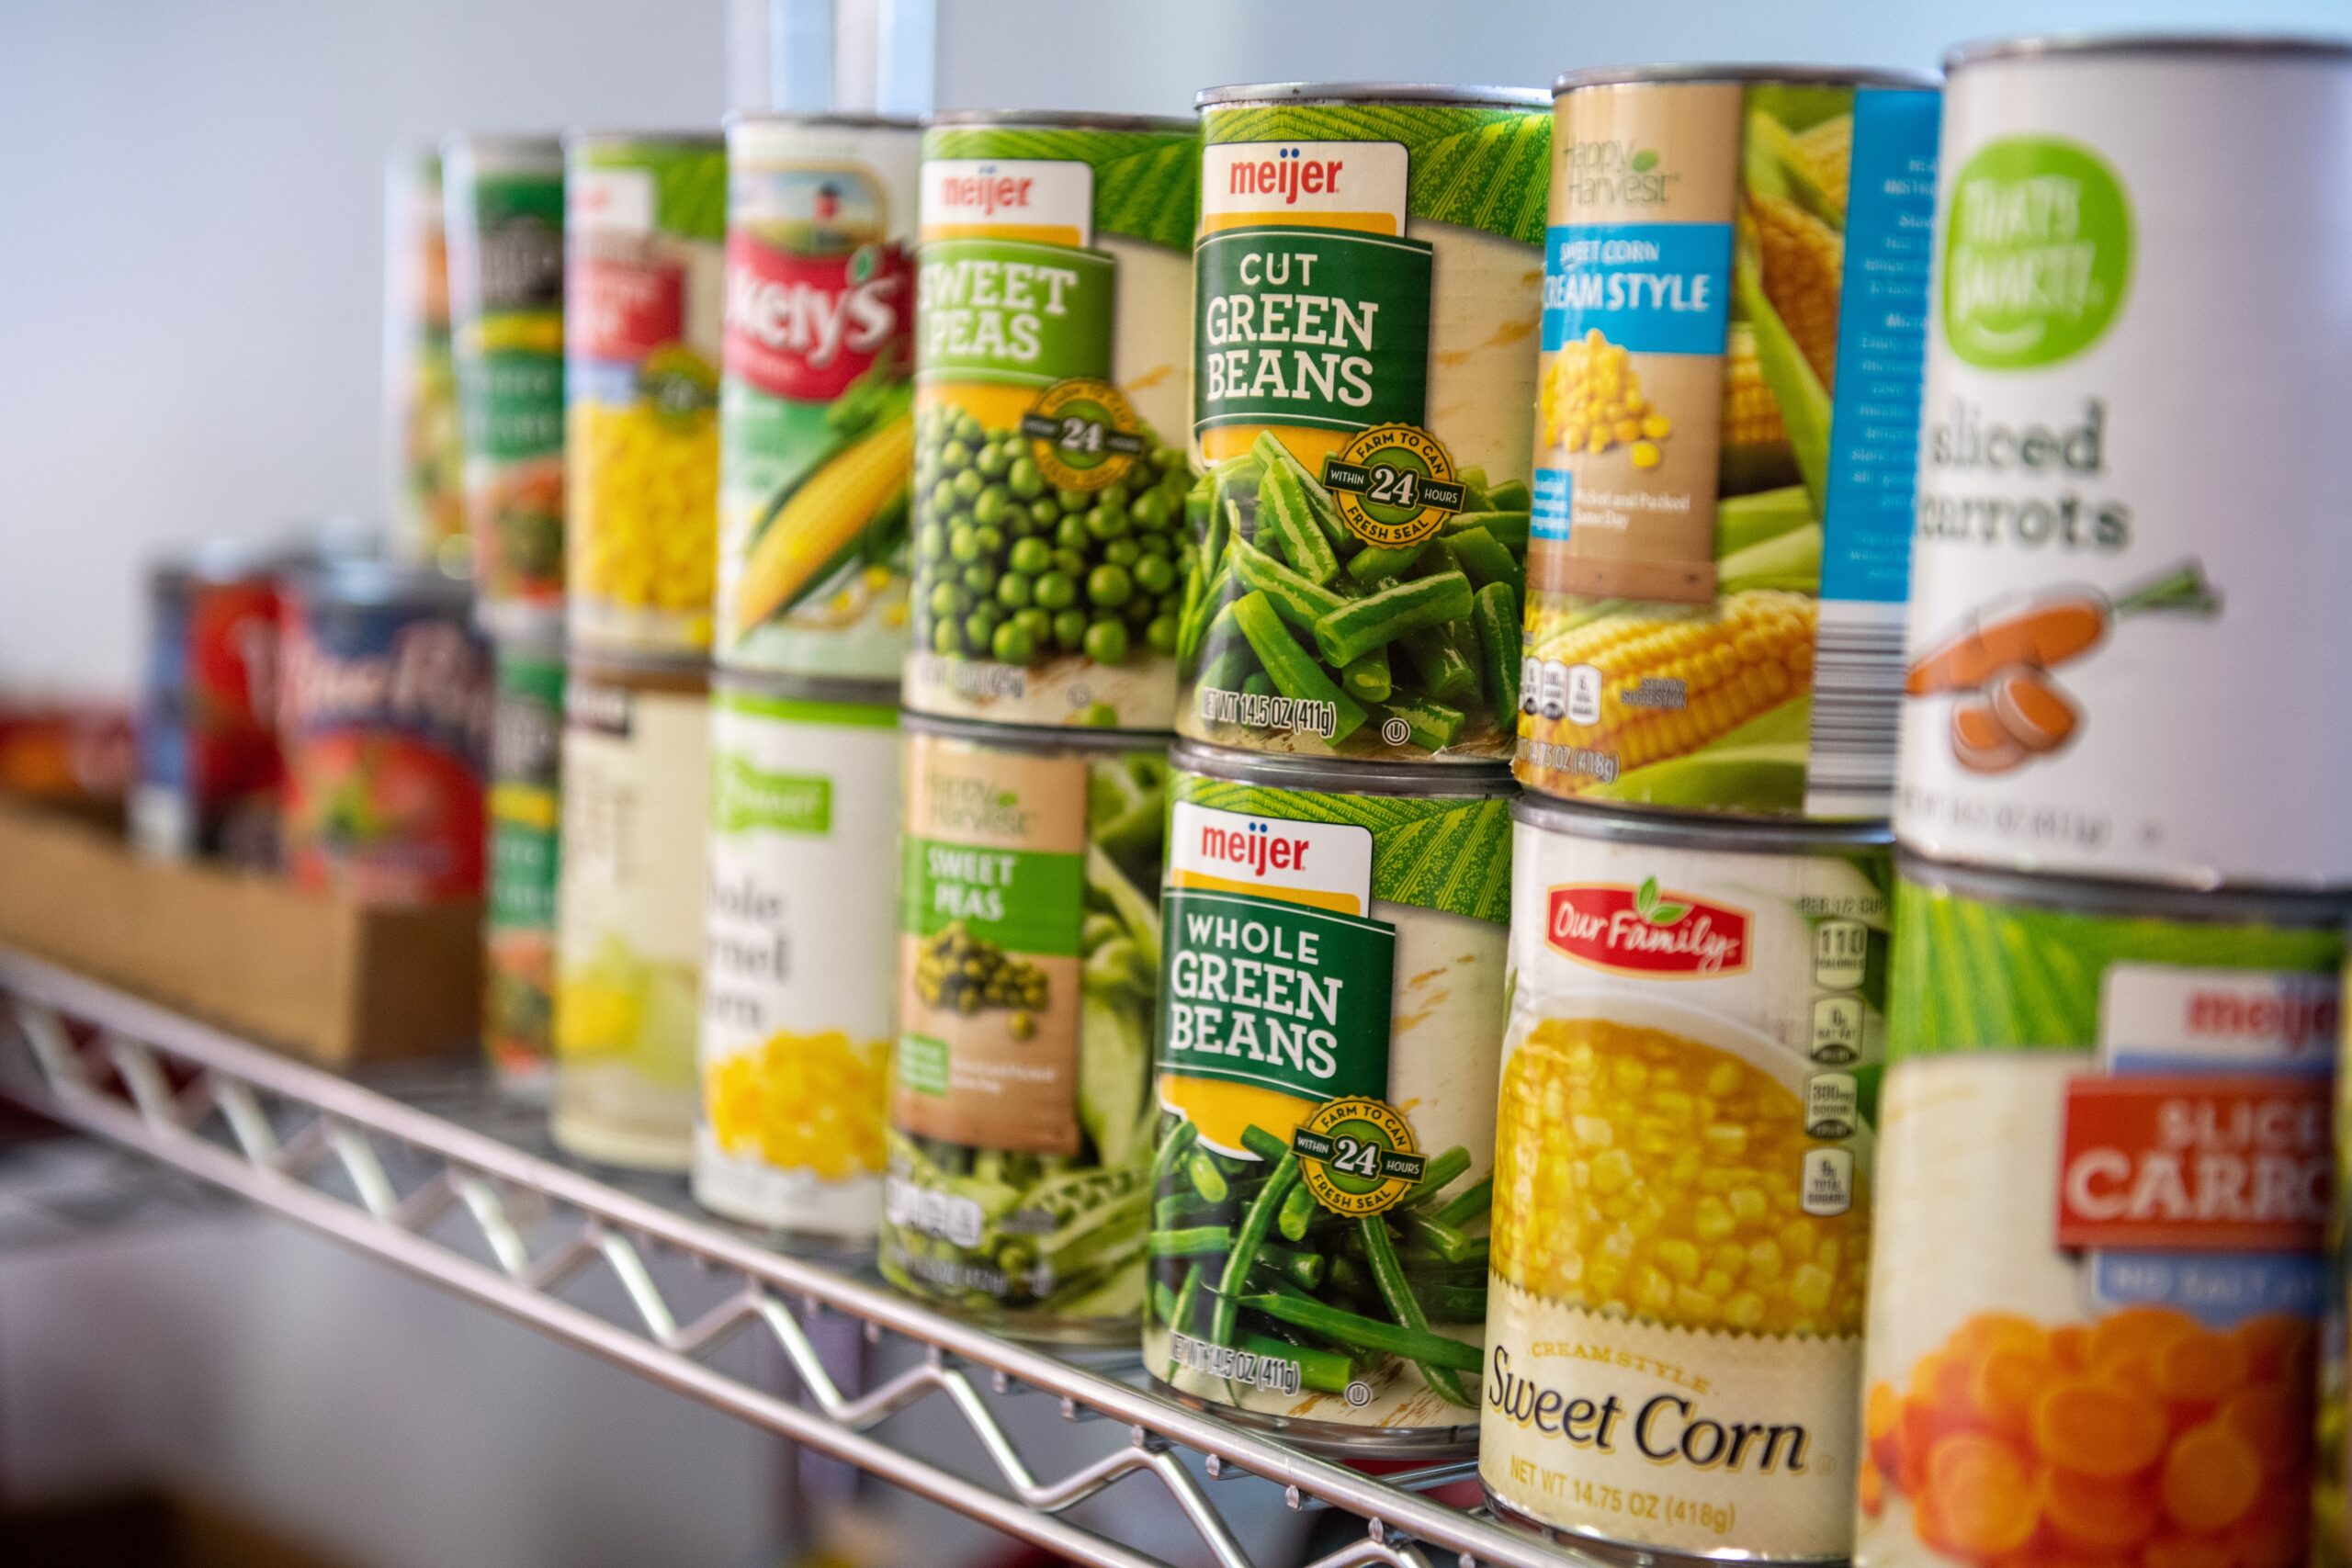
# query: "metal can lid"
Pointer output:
{"type": "Point", "coordinates": [1370, 93]}
{"type": "Point", "coordinates": [369, 581]}
{"type": "Point", "coordinates": [2097, 896]}
{"type": "Point", "coordinates": [1054, 119]}
{"type": "Point", "coordinates": [1032, 737]}
{"type": "Point", "coordinates": [538, 152]}
{"type": "Point", "coordinates": [577, 137]}
{"type": "Point", "coordinates": [1339, 775]}
{"type": "Point", "coordinates": [1795, 74]}
{"type": "Point", "coordinates": [821, 121]}
{"type": "Point", "coordinates": [1980, 52]}
{"type": "Point", "coordinates": [839, 690]}
{"type": "Point", "coordinates": [639, 671]}
{"type": "Point", "coordinates": [1724, 835]}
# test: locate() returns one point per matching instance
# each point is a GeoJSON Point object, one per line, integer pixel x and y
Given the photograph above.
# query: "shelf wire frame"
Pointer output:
{"type": "Point", "coordinates": [278, 1132]}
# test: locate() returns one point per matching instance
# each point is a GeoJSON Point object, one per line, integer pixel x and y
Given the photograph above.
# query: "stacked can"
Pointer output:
{"type": "Point", "coordinates": [1046, 562]}
{"type": "Point", "coordinates": [426, 458]}
{"type": "Point", "coordinates": [1734, 270]}
{"type": "Point", "coordinates": [2100, 1277]}
{"type": "Point", "coordinates": [1338, 881]}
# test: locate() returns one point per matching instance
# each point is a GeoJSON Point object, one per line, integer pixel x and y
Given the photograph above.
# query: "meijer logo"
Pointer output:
{"type": "Point", "coordinates": [1630, 930]}
{"type": "Point", "coordinates": [983, 193]}
{"type": "Point", "coordinates": [1256, 847]}
{"type": "Point", "coordinates": [1287, 175]}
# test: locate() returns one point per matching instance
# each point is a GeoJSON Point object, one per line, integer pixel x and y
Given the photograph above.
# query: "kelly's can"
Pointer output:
{"type": "Point", "coordinates": [2093, 600]}
{"type": "Point", "coordinates": [1333, 994]}
{"type": "Point", "coordinates": [645, 229]}
{"type": "Point", "coordinates": [427, 459]}
{"type": "Point", "coordinates": [1021, 1114]}
{"type": "Point", "coordinates": [629, 910]}
{"type": "Point", "coordinates": [210, 770]}
{"type": "Point", "coordinates": [816, 404]}
{"type": "Point", "coordinates": [1682, 1183]}
{"type": "Point", "coordinates": [502, 202]}
{"type": "Point", "coordinates": [1734, 281]}
{"type": "Point", "coordinates": [1364, 312]}
{"type": "Point", "coordinates": [800, 970]}
{"type": "Point", "coordinates": [1050, 340]}
{"type": "Point", "coordinates": [525, 825]}
{"type": "Point", "coordinates": [385, 715]}
{"type": "Point", "coordinates": [2103, 1167]}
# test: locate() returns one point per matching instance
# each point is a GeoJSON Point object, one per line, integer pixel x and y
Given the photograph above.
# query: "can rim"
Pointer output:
{"type": "Point", "coordinates": [506, 144]}
{"type": "Point", "coordinates": [580, 136]}
{"type": "Point", "coordinates": [813, 120]}
{"type": "Point", "coordinates": [1724, 835]}
{"type": "Point", "coordinates": [374, 580]}
{"type": "Point", "coordinates": [1343, 775]}
{"type": "Point", "coordinates": [1033, 735]}
{"type": "Point", "coordinates": [844, 690]}
{"type": "Point", "coordinates": [2093, 895]}
{"type": "Point", "coordinates": [1978, 51]}
{"type": "Point", "coordinates": [657, 670]}
{"type": "Point", "coordinates": [1055, 119]}
{"type": "Point", "coordinates": [1799, 73]}
{"type": "Point", "coordinates": [1382, 91]}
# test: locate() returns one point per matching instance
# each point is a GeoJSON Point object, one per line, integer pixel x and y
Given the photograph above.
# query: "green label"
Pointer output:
{"type": "Point", "coordinates": [1284, 996]}
{"type": "Point", "coordinates": [523, 861]}
{"type": "Point", "coordinates": [689, 181]}
{"type": "Point", "coordinates": [1310, 326]}
{"type": "Point", "coordinates": [512, 402]}
{"type": "Point", "coordinates": [1010, 311]}
{"type": "Point", "coordinates": [1146, 182]}
{"type": "Point", "coordinates": [1024, 900]}
{"type": "Point", "coordinates": [922, 1064]}
{"type": "Point", "coordinates": [743, 797]}
{"type": "Point", "coordinates": [2037, 253]}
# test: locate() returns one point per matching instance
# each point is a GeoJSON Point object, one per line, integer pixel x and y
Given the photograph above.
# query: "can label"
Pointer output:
{"type": "Point", "coordinates": [799, 975]}
{"type": "Point", "coordinates": [1020, 1127]}
{"type": "Point", "coordinates": [1734, 281]}
{"type": "Point", "coordinates": [629, 919]}
{"type": "Point", "coordinates": [526, 785]}
{"type": "Point", "coordinates": [1363, 337]}
{"type": "Point", "coordinates": [646, 222]}
{"type": "Point", "coordinates": [2088, 588]}
{"type": "Point", "coordinates": [1049, 352]}
{"type": "Point", "coordinates": [1682, 1205]}
{"type": "Point", "coordinates": [210, 767]}
{"type": "Point", "coordinates": [817, 404]}
{"type": "Point", "coordinates": [1334, 981]}
{"type": "Point", "coordinates": [2104, 1177]}
{"type": "Point", "coordinates": [420, 386]}
{"type": "Point", "coordinates": [505, 249]}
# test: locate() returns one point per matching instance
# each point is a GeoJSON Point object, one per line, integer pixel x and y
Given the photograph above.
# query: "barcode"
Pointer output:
{"type": "Point", "coordinates": [1857, 694]}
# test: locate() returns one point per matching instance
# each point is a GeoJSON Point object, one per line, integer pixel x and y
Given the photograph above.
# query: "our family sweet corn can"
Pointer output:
{"type": "Point", "coordinates": [645, 225]}
{"type": "Point", "coordinates": [2104, 619]}
{"type": "Point", "coordinates": [800, 964]}
{"type": "Point", "coordinates": [1735, 277]}
{"type": "Point", "coordinates": [502, 205]}
{"type": "Point", "coordinates": [817, 450]}
{"type": "Point", "coordinates": [1332, 986]}
{"type": "Point", "coordinates": [1683, 1182]}
{"type": "Point", "coordinates": [526, 826]}
{"type": "Point", "coordinates": [1028, 980]}
{"type": "Point", "coordinates": [1050, 338]}
{"type": "Point", "coordinates": [427, 459]}
{"type": "Point", "coordinates": [2104, 1171]}
{"type": "Point", "coordinates": [1365, 288]}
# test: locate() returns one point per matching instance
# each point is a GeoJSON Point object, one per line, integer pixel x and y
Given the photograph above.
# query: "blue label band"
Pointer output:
{"type": "Point", "coordinates": [1649, 287]}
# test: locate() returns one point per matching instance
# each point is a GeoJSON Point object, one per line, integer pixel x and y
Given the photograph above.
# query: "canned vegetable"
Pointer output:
{"type": "Point", "coordinates": [525, 795]}
{"type": "Point", "coordinates": [420, 383]}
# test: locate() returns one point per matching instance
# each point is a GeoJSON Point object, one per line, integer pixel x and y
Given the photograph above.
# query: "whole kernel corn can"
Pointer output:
{"type": "Point", "coordinates": [645, 223]}
{"type": "Point", "coordinates": [427, 459]}
{"type": "Point", "coordinates": [502, 208]}
{"type": "Point", "coordinates": [1735, 277]}
{"type": "Point", "coordinates": [2103, 1183]}
{"type": "Point", "coordinates": [1364, 314]}
{"type": "Point", "coordinates": [1050, 339]}
{"type": "Point", "coordinates": [1028, 991]}
{"type": "Point", "coordinates": [1333, 1001]}
{"type": "Point", "coordinates": [2099, 610]}
{"type": "Point", "coordinates": [801, 957]}
{"type": "Point", "coordinates": [526, 823]}
{"type": "Point", "coordinates": [1683, 1182]}
{"type": "Point", "coordinates": [817, 451]}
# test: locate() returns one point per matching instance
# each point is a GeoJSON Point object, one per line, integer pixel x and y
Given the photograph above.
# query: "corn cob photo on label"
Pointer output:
{"type": "Point", "coordinates": [1682, 1189]}
{"type": "Point", "coordinates": [1050, 551]}
{"type": "Point", "coordinates": [2103, 1181]}
{"type": "Point", "coordinates": [800, 968]}
{"type": "Point", "coordinates": [1726, 423]}
{"type": "Point", "coordinates": [629, 913]}
{"type": "Point", "coordinates": [1364, 339]}
{"type": "Point", "coordinates": [420, 379]}
{"type": "Point", "coordinates": [1028, 965]}
{"type": "Point", "coordinates": [818, 447]}
{"type": "Point", "coordinates": [504, 205]}
{"type": "Point", "coordinates": [1333, 997]}
{"type": "Point", "coordinates": [525, 793]}
{"type": "Point", "coordinates": [2088, 588]}
{"type": "Point", "coordinates": [645, 226]}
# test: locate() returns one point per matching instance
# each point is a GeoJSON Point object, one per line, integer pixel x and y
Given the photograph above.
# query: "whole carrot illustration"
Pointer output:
{"type": "Point", "coordinates": [2051, 627]}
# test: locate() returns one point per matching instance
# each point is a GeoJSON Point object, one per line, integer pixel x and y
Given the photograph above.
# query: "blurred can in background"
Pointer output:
{"type": "Point", "coordinates": [420, 382]}
{"type": "Point", "coordinates": [526, 781]}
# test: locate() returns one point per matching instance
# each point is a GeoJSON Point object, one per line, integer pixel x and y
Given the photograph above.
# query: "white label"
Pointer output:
{"type": "Point", "coordinates": [1266, 182]}
{"type": "Point", "coordinates": [1041, 198]}
{"type": "Point", "coordinates": [609, 201]}
{"type": "Point", "coordinates": [1828, 1182]}
{"type": "Point", "coordinates": [1207, 847]}
{"type": "Point", "coordinates": [2155, 1013]}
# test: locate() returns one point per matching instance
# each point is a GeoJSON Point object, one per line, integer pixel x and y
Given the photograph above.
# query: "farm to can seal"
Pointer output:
{"type": "Point", "coordinates": [525, 795]}
{"type": "Point", "coordinates": [210, 765]}
{"type": "Point", "coordinates": [420, 383]}
{"type": "Point", "coordinates": [1050, 551]}
{"type": "Point", "coordinates": [645, 220]}
{"type": "Point", "coordinates": [2104, 1170]}
{"type": "Point", "coordinates": [1364, 318]}
{"type": "Point", "coordinates": [385, 711]}
{"type": "Point", "coordinates": [1727, 422]}
{"type": "Point", "coordinates": [1333, 985]}
{"type": "Point", "coordinates": [2097, 607]}
{"type": "Point", "coordinates": [503, 200]}
{"type": "Point", "coordinates": [629, 910]}
{"type": "Point", "coordinates": [1021, 1113]}
{"type": "Point", "coordinates": [1682, 1183]}
{"type": "Point", "coordinates": [801, 956]}
{"type": "Point", "coordinates": [816, 404]}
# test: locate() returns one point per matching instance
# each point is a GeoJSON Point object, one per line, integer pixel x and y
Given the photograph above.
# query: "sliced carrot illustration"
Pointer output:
{"type": "Point", "coordinates": [2095, 1514]}
{"type": "Point", "coordinates": [2008, 1380]}
{"type": "Point", "coordinates": [2203, 1367]}
{"type": "Point", "coordinates": [1870, 1489]}
{"type": "Point", "coordinates": [2031, 708]}
{"type": "Point", "coordinates": [2277, 1346]}
{"type": "Point", "coordinates": [2210, 1479]}
{"type": "Point", "coordinates": [1985, 1494]}
{"type": "Point", "coordinates": [2099, 1429]}
{"type": "Point", "coordinates": [2184, 1552]}
{"type": "Point", "coordinates": [1980, 741]}
{"type": "Point", "coordinates": [2275, 1419]}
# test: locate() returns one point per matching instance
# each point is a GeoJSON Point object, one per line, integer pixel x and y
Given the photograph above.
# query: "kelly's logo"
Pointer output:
{"type": "Point", "coordinates": [1286, 176]}
{"type": "Point", "coordinates": [805, 327]}
{"type": "Point", "coordinates": [1642, 931]}
{"type": "Point", "coordinates": [1256, 846]}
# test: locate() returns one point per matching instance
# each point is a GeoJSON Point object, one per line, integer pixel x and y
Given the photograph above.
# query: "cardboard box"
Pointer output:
{"type": "Point", "coordinates": [327, 978]}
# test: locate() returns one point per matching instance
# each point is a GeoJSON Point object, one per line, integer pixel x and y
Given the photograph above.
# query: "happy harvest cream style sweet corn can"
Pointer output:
{"type": "Point", "coordinates": [1683, 1182]}
{"type": "Point", "coordinates": [1735, 274]}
